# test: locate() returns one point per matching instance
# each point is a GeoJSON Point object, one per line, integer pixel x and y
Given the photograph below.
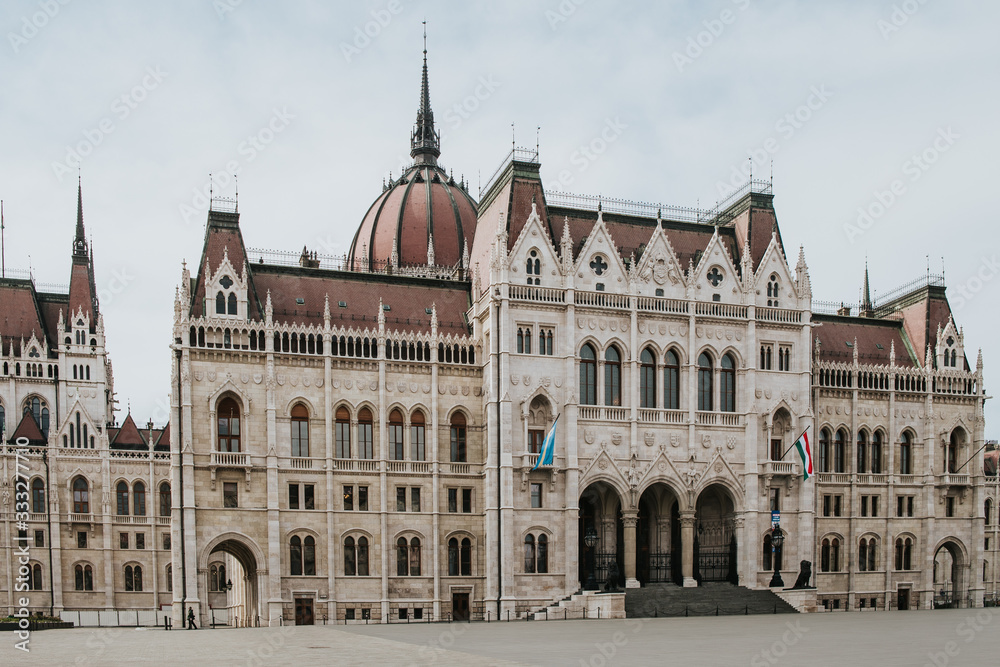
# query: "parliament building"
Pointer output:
{"type": "Point", "coordinates": [356, 437]}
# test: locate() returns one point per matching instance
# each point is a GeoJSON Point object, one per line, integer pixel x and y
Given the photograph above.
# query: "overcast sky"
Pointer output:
{"type": "Point", "coordinates": [880, 106]}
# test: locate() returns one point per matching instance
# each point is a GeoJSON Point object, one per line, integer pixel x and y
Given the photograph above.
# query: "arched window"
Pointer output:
{"type": "Point", "coordinates": [350, 557]}
{"type": "Point", "coordinates": [520, 338]}
{"type": "Point", "coordinates": [951, 451]}
{"type": "Point", "coordinates": [366, 444]}
{"type": "Point", "coordinates": [220, 304]}
{"type": "Point", "coordinates": [867, 555]}
{"type": "Point", "coordinates": [529, 553]}
{"type": "Point", "coordinates": [362, 556]}
{"type": "Point", "coordinates": [164, 499]}
{"type": "Point", "coordinates": [466, 557]}
{"type": "Point", "coordinates": [232, 303]}
{"type": "Point", "coordinates": [295, 556]}
{"type": "Point", "coordinates": [36, 577]}
{"type": "Point", "coordinates": [84, 577]}
{"type": "Point", "coordinates": [37, 495]}
{"type": "Point", "coordinates": [612, 377]}
{"type": "Point", "coordinates": [229, 425]}
{"type": "Point", "coordinates": [527, 340]}
{"type": "Point", "coordinates": [402, 557]}
{"type": "Point", "coordinates": [418, 450]}
{"type": "Point", "coordinates": [830, 555]}
{"type": "Point", "coordinates": [213, 579]}
{"type": "Point", "coordinates": [139, 499]}
{"type": "Point", "coordinates": [453, 556]}
{"type": "Point", "coordinates": [533, 268]}
{"type": "Point", "coordinates": [81, 496]}
{"type": "Point", "coordinates": [309, 556]}
{"type": "Point", "coordinates": [988, 512]}
{"type": "Point", "coordinates": [170, 578]}
{"type": "Point", "coordinates": [672, 381]}
{"type": "Point", "coordinates": [542, 563]}
{"type": "Point", "coordinates": [906, 454]}
{"type": "Point", "coordinates": [647, 379]}
{"type": "Point", "coordinates": [588, 375]}
{"type": "Point", "coordinates": [458, 448]}
{"type": "Point", "coordinates": [3, 417]}
{"type": "Point", "coordinates": [904, 552]}
{"type": "Point", "coordinates": [772, 291]}
{"type": "Point", "coordinates": [704, 382]}
{"type": "Point", "coordinates": [862, 451]}
{"type": "Point", "coordinates": [839, 451]}
{"type": "Point", "coordinates": [343, 432]}
{"type": "Point", "coordinates": [823, 462]}
{"type": "Point", "coordinates": [300, 430]}
{"type": "Point", "coordinates": [727, 388]}
{"type": "Point", "coordinates": [766, 562]}
{"type": "Point", "coordinates": [121, 491]}
{"type": "Point", "coordinates": [133, 578]}
{"type": "Point", "coordinates": [876, 458]}
{"type": "Point", "coordinates": [396, 450]}
{"type": "Point", "coordinates": [414, 556]}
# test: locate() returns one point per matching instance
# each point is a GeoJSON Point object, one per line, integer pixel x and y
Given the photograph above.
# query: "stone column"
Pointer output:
{"type": "Point", "coordinates": [687, 548]}
{"type": "Point", "coordinates": [630, 518]}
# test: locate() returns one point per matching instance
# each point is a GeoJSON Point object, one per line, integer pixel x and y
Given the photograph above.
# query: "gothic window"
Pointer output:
{"type": "Point", "coordinates": [164, 499]}
{"type": "Point", "coordinates": [830, 555]}
{"type": "Point", "coordinates": [862, 451]}
{"type": "Point", "coordinates": [906, 454]}
{"type": "Point", "coordinates": [533, 267]}
{"type": "Point", "coordinates": [727, 381]}
{"type": "Point", "coordinates": [295, 556]}
{"type": "Point", "coordinates": [904, 552]}
{"type": "Point", "coordinates": [35, 580]}
{"type": "Point", "coordinates": [612, 377]}
{"type": "Point", "coordinates": [839, 451]}
{"type": "Point", "coordinates": [542, 563]}
{"type": "Point", "coordinates": [170, 578]}
{"type": "Point", "coordinates": [951, 451]}
{"type": "Point", "coordinates": [84, 577]}
{"type": "Point", "coordinates": [133, 578]}
{"type": "Point", "coordinates": [343, 432]}
{"type": "Point", "coordinates": [823, 458]}
{"type": "Point", "coordinates": [220, 304]}
{"type": "Point", "coordinates": [408, 557]}
{"type": "Point", "coordinates": [704, 382]}
{"type": "Point", "coordinates": [598, 265]}
{"type": "Point", "coordinates": [121, 491]}
{"type": "Point", "coordinates": [229, 425]}
{"type": "Point", "coordinates": [81, 496]}
{"type": "Point", "coordinates": [396, 450]}
{"type": "Point", "coordinates": [671, 381]}
{"type": "Point", "coordinates": [784, 358]}
{"type": "Point", "coordinates": [766, 562]}
{"type": "Point", "coordinates": [876, 453]}
{"type": "Point", "coordinates": [417, 436]}
{"type": "Point", "coordinates": [527, 340]}
{"type": "Point", "coordinates": [545, 337]}
{"type": "Point", "coordinates": [3, 419]}
{"type": "Point", "coordinates": [520, 340]}
{"type": "Point", "coordinates": [647, 379]}
{"type": "Point", "coordinates": [588, 375]}
{"type": "Point", "coordinates": [231, 303]}
{"type": "Point", "coordinates": [466, 558]}
{"type": "Point", "coordinates": [139, 499]}
{"type": "Point", "coordinates": [37, 495]}
{"type": "Point", "coordinates": [366, 445]}
{"type": "Point", "coordinates": [350, 557]}
{"type": "Point", "coordinates": [772, 291]}
{"type": "Point", "coordinates": [529, 553]}
{"type": "Point", "coordinates": [715, 276]}
{"type": "Point", "coordinates": [988, 511]}
{"type": "Point", "coordinates": [300, 430]}
{"type": "Point", "coordinates": [866, 555]}
{"type": "Point", "coordinates": [458, 447]}
{"type": "Point", "coordinates": [766, 352]}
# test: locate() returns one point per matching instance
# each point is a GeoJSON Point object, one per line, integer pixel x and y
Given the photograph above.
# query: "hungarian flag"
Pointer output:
{"type": "Point", "coordinates": [548, 447]}
{"type": "Point", "coordinates": [805, 452]}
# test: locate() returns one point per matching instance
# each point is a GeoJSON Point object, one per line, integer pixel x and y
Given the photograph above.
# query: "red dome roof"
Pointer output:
{"type": "Point", "coordinates": [422, 204]}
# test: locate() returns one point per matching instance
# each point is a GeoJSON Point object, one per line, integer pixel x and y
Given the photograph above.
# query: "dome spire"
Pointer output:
{"type": "Point", "coordinates": [80, 240]}
{"type": "Point", "coordinates": [425, 141]}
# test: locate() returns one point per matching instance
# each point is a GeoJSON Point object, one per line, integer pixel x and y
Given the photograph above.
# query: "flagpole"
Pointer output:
{"type": "Point", "coordinates": [3, 252]}
{"type": "Point", "coordinates": [793, 443]}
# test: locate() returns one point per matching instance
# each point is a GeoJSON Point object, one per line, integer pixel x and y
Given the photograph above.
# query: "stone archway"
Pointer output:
{"type": "Point", "coordinates": [949, 576]}
{"type": "Point", "coordinates": [601, 509]}
{"type": "Point", "coordinates": [243, 601]}
{"type": "Point", "coordinates": [658, 536]}
{"type": "Point", "coordinates": [715, 540]}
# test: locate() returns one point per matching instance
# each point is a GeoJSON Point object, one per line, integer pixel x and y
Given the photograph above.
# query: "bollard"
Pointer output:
{"type": "Point", "coordinates": [487, 615]}
{"type": "Point", "coordinates": [213, 619]}
{"type": "Point", "coordinates": [508, 615]}
{"type": "Point", "coordinates": [775, 607]}
{"type": "Point", "coordinates": [685, 611]}
{"type": "Point", "coordinates": [598, 613]}
{"type": "Point", "coordinates": [716, 610]}
{"type": "Point", "coordinates": [746, 610]}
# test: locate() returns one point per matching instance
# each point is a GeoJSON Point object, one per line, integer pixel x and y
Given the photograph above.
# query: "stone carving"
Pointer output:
{"type": "Point", "coordinates": [280, 379]}
{"type": "Point", "coordinates": [426, 388]}
{"type": "Point", "coordinates": [706, 440]}
{"type": "Point", "coordinates": [649, 438]}
{"type": "Point", "coordinates": [589, 436]}
{"type": "Point", "coordinates": [675, 440]}
{"type": "Point", "coordinates": [258, 378]}
{"type": "Point", "coordinates": [731, 442]}
{"type": "Point", "coordinates": [244, 378]}
{"type": "Point", "coordinates": [211, 376]}
{"type": "Point", "coordinates": [348, 384]}
{"type": "Point", "coordinates": [307, 381]}
{"type": "Point", "coordinates": [514, 379]}
{"type": "Point", "coordinates": [526, 380]}
{"type": "Point", "coordinates": [198, 376]}
{"type": "Point", "coordinates": [294, 381]}
{"type": "Point", "coordinates": [616, 438]}
{"type": "Point", "coordinates": [805, 573]}
{"type": "Point", "coordinates": [465, 390]}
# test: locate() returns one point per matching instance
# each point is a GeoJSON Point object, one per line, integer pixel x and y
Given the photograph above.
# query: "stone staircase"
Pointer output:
{"type": "Point", "coordinates": [713, 599]}
{"type": "Point", "coordinates": [582, 605]}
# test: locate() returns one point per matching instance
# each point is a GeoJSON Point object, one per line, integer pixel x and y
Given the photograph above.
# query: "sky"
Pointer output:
{"type": "Point", "coordinates": [876, 119]}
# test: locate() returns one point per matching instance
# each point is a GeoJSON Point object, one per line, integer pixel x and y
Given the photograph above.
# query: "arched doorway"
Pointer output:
{"type": "Point", "coordinates": [601, 509]}
{"type": "Point", "coordinates": [715, 551]}
{"type": "Point", "coordinates": [949, 584]}
{"type": "Point", "coordinates": [658, 536]}
{"type": "Point", "coordinates": [243, 599]}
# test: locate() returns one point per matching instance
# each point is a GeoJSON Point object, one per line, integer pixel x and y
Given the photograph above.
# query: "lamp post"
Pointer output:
{"type": "Point", "coordinates": [590, 539]}
{"type": "Point", "coordinates": [777, 539]}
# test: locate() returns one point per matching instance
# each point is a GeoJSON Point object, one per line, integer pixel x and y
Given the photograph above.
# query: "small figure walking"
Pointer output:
{"type": "Point", "coordinates": [191, 625]}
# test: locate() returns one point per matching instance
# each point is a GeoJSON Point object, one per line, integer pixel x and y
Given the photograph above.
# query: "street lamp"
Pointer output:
{"type": "Point", "coordinates": [229, 585]}
{"type": "Point", "coordinates": [777, 539]}
{"type": "Point", "coordinates": [590, 539]}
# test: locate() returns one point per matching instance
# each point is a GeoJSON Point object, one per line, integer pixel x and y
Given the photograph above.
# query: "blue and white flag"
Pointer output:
{"type": "Point", "coordinates": [548, 447]}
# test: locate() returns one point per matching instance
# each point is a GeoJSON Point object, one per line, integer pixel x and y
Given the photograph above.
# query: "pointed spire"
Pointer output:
{"type": "Point", "coordinates": [866, 297]}
{"type": "Point", "coordinates": [979, 361]}
{"type": "Point", "coordinates": [425, 141]}
{"type": "Point", "coordinates": [326, 311]}
{"type": "Point", "coordinates": [80, 240]}
{"type": "Point", "coordinates": [465, 254]}
{"type": "Point", "coordinates": [430, 250]}
{"type": "Point", "coordinates": [268, 309]}
{"type": "Point", "coordinates": [892, 353]}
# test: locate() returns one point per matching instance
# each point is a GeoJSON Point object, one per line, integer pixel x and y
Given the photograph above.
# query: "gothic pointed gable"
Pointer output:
{"type": "Point", "coordinates": [534, 238]}
{"type": "Point", "coordinates": [715, 276]}
{"type": "Point", "coordinates": [128, 436]}
{"type": "Point", "coordinates": [773, 283]}
{"type": "Point", "coordinates": [659, 273]}
{"type": "Point", "coordinates": [28, 430]}
{"type": "Point", "coordinates": [599, 267]}
{"type": "Point", "coordinates": [223, 243]}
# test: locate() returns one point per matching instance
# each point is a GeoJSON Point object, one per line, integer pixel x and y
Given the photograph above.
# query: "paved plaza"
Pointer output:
{"type": "Point", "coordinates": [939, 638]}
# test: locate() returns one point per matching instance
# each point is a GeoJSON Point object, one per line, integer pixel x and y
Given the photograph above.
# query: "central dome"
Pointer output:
{"type": "Point", "coordinates": [424, 218]}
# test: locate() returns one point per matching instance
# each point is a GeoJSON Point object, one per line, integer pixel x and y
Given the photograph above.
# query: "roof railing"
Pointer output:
{"type": "Point", "coordinates": [516, 154]}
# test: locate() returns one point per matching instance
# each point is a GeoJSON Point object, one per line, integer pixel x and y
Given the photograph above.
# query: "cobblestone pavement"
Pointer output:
{"type": "Point", "coordinates": [939, 638]}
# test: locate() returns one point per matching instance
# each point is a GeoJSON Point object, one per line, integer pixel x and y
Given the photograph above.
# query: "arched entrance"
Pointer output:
{"type": "Point", "coordinates": [658, 536]}
{"type": "Point", "coordinates": [601, 509]}
{"type": "Point", "coordinates": [949, 584]}
{"type": "Point", "coordinates": [243, 599]}
{"type": "Point", "coordinates": [715, 551]}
